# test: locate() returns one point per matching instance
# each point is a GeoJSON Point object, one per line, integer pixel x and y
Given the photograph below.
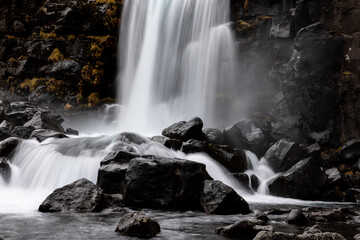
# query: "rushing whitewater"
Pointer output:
{"type": "Point", "coordinates": [177, 61]}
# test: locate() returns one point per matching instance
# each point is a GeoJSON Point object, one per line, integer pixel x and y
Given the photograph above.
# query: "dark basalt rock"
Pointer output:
{"type": "Point", "coordinates": [65, 68]}
{"type": "Point", "coordinates": [213, 135]}
{"type": "Point", "coordinates": [242, 229]}
{"type": "Point", "coordinates": [255, 183]}
{"type": "Point", "coordinates": [304, 180]}
{"type": "Point", "coordinates": [18, 118]}
{"type": "Point", "coordinates": [71, 131]}
{"type": "Point", "coordinates": [138, 224]}
{"type": "Point", "coordinates": [185, 130]}
{"type": "Point", "coordinates": [4, 133]}
{"type": "Point", "coordinates": [111, 175]}
{"type": "Point", "coordinates": [244, 179]}
{"type": "Point", "coordinates": [296, 217]}
{"type": "Point", "coordinates": [5, 170]}
{"type": "Point", "coordinates": [80, 196]}
{"type": "Point", "coordinates": [7, 125]}
{"type": "Point", "coordinates": [8, 146]}
{"type": "Point", "coordinates": [218, 198]}
{"type": "Point", "coordinates": [22, 132]}
{"type": "Point", "coordinates": [43, 120]}
{"type": "Point", "coordinates": [350, 152]}
{"type": "Point", "coordinates": [283, 155]}
{"type": "Point", "coordinates": [265, 235]}
{"type": "Point", "coordinates": [164, 183]}
{"type": "Point", "coordinates": [353, 195]}
{"type": "Point", "coordinates": [43, 134]}
{"type": "Point", "coordinates": [174, 144]}
{"type": "Point", "coordinates": [232, 159]}
{"type": "Point", "coordinates": [327, 216]}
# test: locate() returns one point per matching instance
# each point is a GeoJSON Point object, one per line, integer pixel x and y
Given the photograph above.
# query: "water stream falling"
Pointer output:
{"type": "Point", "coordinates": [177, 61]}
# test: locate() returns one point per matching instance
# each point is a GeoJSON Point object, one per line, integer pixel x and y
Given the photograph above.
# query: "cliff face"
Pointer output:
{"type": "Point", "coordinates": [65, 50]}
{"type": "Point", "coordinates": [309, 56]}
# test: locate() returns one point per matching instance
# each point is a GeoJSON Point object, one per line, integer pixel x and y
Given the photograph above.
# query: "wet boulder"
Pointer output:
{"type": "Point", "coordinates": [4, 133]}
{"type": "Point", "coordinates": [174, 144]}
{"type": "Point", "coordinates": [71, 131]}
{"type": "Point", "coordinates": [138, 224]}
{"type": "Point", "coordinates": [22, 132]}
{"type": "Point", "coordinates": [242, 229]}
{"type": "Point", "coordinates": [44, 120]}
{"type": "Point", "coordinates": [5, 170]}
{"type": "Point", "coordinates": [213, 135]}
{"type": "Point", "coordinates": [8, 146]}
{"type": "Point", "coordinates": [265, 235]}
{"type": "Point", "coordinates": [65, 68]}
{"type": "Point", "coordinates": [283, 155]}
{"type": "Point", "coordinates": [231, 158]}
{"type": "Point", "coordinates": [158, 182]}
{"type": "Point", "coordinates": [80, 196]}
{"type": "Point", "coordinates": [350, 152]}
{"type": "Point", "coordinates": [185, 130]}
{"type": "Point", "coordinates": [111, 174]}
{"type": "Point", "coordinates": [297, 217]}
{"type": "Point", "coordinates": [43, 134]}
{"type": "Point", "coordinates": [304, 180]}
{"type": "Point", "coordinates": [18, 118]}
{"type": "Point", "coordinates": [218, 198]}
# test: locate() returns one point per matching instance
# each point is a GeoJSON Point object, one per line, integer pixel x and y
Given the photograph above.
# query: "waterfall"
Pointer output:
{"type": "Point", "coordinates": [177, 61]}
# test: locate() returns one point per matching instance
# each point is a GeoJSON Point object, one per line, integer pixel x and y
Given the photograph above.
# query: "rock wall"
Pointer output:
{"type": "Point", "coordinates": [59, 50]}
{"type": "Point", "coordinates": [301, 61]}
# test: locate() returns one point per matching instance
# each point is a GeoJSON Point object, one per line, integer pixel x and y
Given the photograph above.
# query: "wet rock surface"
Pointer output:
{"type": "Point", "coordinates": [185, 130]}
{"type": "Point", "coordinates": [138, 224]}
{"type": "Point", "coordinates": [287, 236]}
{"type": "Point", "coordinates": [80, 196]}
{"type": "Point", "coordinates": [218, 198]}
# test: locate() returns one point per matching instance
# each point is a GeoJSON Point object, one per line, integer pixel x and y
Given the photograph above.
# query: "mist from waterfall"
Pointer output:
{"type": "Point", "coordinates": [177, 61]}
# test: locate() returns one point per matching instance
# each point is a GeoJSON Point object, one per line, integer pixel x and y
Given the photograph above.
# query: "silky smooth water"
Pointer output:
{"type": "Point", "coordinates": [177, 61]}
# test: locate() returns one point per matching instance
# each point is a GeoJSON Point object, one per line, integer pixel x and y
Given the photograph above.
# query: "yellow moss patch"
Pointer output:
{"type": "Point", "coordinates": [22, 58]}
{"type": "Point", "coordinates": [44, 35]}
{"type": "Point", "coordinates": [96, 51]}
{"type": "Point", "coordinates": [68, 107]}
{"type": "Point", "coordinates": [94, 99]}
{"type": "Point", "coordinates": [10, 37]}
{"type": "Point", "coordinates": [242, 25]}
{"type": "Point", "coordinates": [57, 87]}
{"type": "Point", "coordinates": [56, 56]}
{"type": "Point", "coordinates": [11, 60]}
{"type": "Point", "coordinates": [349, 173]}
{"type": "Point", "coordinates": [105, 2]}
{"type": "Point", "coordinates": [71, 37]}
{"type": "Point", "coordinates": [31, 84]}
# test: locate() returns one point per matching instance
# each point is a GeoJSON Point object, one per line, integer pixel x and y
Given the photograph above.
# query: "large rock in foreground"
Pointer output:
{"type": "Point", "coordinates": [80, 196]}
{"type": "Point", "coordinates": [266, 235]}
{"type": "Point", "coordinates": [185, 130]}
{"type": "Point", "coordinates": [218, 198]}
{"type": "Point", "coordinates": [138, 224]}
{"type": "Point", "coordinates": [158, 182]}
{"type": "Point", "coordinates": [43, 120]}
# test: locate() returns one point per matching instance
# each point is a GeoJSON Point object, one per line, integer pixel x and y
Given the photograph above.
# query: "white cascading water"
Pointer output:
{"type": "Point", "coordinates": [177, 61]}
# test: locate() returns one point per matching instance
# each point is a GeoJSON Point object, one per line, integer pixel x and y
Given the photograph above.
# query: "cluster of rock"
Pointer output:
{"type": "Point", "coordinates": [59, 51]}
{"type": "Point", "coordinates": [26, 120]}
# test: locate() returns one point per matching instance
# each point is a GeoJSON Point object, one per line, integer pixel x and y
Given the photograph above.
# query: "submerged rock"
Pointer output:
{"type": "Point", "coordinates": [266, 235]}
{"type": "Point", "coordinates": [158, 182]}
{"type": "Point", "coordinates": [312, 230]}
{"type": "Point", "coordinates": [327, 216]}
{"type": "Point", "coordinates": [185, 130]}
{"type": "Point", "coordinates": [218, 198]}
{"type": "Point", "coordinates": [80, 196]}
{"type": "Point", "coordinates": [242, 229]}
{"type": "Point", "coordinates": [297, 217]}
{"type": "Point", "coordinates": [138, 224]}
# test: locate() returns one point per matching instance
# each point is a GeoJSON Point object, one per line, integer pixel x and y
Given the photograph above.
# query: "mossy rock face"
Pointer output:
{"type": "Point", "coordinates": [59, 33]}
